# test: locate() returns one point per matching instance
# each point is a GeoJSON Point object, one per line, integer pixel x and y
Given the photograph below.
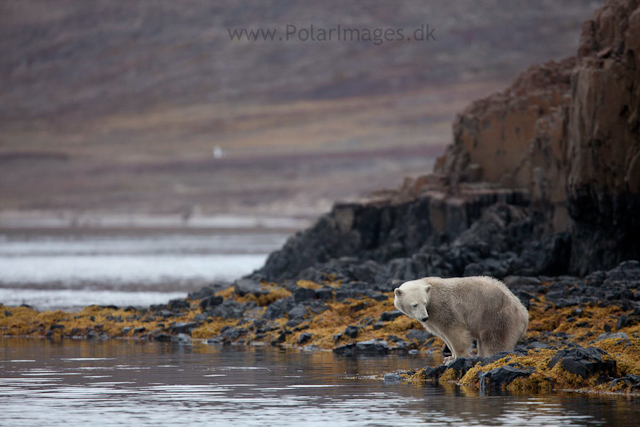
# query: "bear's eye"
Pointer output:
{"type": "Point", "coordinates": [414, 305]}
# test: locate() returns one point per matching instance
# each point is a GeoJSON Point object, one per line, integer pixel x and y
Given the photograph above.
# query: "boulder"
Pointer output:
{"type": "Point", "coordinates": [500, 377]}
{"type": "Point", "coordinates": [585, 362]}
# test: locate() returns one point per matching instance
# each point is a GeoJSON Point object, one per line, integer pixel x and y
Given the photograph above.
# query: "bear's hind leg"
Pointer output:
{"type": "Point", "coordinates": [492, 342]}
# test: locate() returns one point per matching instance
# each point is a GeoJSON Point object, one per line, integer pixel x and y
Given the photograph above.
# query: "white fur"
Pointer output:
{"type": "Point", "coordinates": [463, 309]}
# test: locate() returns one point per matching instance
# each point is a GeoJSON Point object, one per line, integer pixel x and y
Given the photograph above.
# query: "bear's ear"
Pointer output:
{"type": "Point", "coordinates": [398, 292]}
{"type": "Point", "coordinates": [427, 288]}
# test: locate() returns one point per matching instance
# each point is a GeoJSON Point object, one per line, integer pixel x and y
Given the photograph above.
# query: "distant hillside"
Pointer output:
{"type": "Point", "coordinates": [92, 89]}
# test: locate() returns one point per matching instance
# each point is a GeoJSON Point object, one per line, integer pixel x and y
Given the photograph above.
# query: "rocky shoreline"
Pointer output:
{"type": "Point", "coordinates": [584, 334]}
{"type": "Point", "coordinates": [540, 188]}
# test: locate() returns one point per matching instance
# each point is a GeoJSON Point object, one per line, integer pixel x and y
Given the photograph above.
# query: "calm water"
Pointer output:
{"type": "Point", "coordinates": [71, 271]}
{"type": "Point", "coordinates": [128, 383]}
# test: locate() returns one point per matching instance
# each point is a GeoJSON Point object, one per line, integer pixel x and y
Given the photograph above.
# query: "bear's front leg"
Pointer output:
{"type": "Point", "coordinates": [447, 360]}
{"type": "Point", "coordinates": [459, 342]}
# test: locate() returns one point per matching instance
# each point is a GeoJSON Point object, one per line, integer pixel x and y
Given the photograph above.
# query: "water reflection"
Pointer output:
{"type": "Point", "coordinates": [126, 382]}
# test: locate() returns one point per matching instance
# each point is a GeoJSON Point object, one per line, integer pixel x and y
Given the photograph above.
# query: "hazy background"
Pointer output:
{"type": "Point", "coordinates": [144, 154]}
{"type": "Point", "coordinates": [116, 106]}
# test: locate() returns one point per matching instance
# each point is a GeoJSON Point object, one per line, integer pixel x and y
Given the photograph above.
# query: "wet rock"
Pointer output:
{"type": "Point", "coordinates": [473, 269]}
{"type": "Point", "coordinates": [324, 293]}
{"type": "Point", "coordinates": [388, 316]}
{"type": "Point", "coordinates": [445, 351]}
{"type": "Point", "coordinates": [419, 335]}
{"type": "Point", "coordinates": [391, 378]}
{"type": "Point", "coordinates": [501, 355]}
{"type": "Point", "coordinates": [433, 373]}
{"type": "Point", "coordinates": [623, 322]}
{"type": "Point", "coordinates": [232, 333]}
{"type": "Point", "coordinates": [303, 294]}
{"type": "Point", "coordinates": [351, 331]}
{"type": "Point", "coordinates": [182, 327]}
{"type": "Point", "coordinates": [279, 308]}
{"type": "Point", "coordinates": [345, 350]}
{"type": "Point", "coordinates": [625, 273]}
{"type": "Point", "coordinates": [632, 381]}
{"type": "Point", "coordinates": [209, 302]}
{"type": "Point", "coordinates": [298, 312]}
{"type": "Point", "coordinates": [499, 377]}
{"type": "Point", "coordinates": [462, 364]}
{"type": "Point", "coordinates": [520, 282]}
{"type": "Point", "coordinates": [200, 318]}
{"type": "Point", "coordinates": [182, 338]}
{"type": "Point", "coordinates": [139, 330]}
{"type": "Point", "coordinates": [166, 313]}
{"type": "Point", "coordinates": [372, 347]}
{"type": "Point", "coordinates": [584, 362]}
{"type": "Point", "coordinates": [304, 338]}
{"type": "Point", "coordinates": [162, 337]}
{"type": "Point", "coordinates": [536, 345]}
{"type": "Point", "coordinates": [595, 279]}
{"type": "Point", "coordinates": [243, 287]}
{"type": "Point", "coordinates": [204, 292]}
{"type": "Point", "coordinates": [617, 335]}
{"type": "Point", "coordinates": [292, 323]}
{"type": "Point", "coordinates": [230, 309]}
{"type": "Point", "coordinates": [178, 304]}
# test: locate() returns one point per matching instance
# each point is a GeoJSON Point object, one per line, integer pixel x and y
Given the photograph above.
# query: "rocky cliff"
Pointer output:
{"type": "Point", "coordinates": [542, 178]}
{"type": "Point", "coordinates": [569, 134]}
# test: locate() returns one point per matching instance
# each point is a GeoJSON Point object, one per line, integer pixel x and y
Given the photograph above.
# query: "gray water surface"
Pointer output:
{"type": "Point", "coordinates": [133, 383]}
{"type": "Point", "coordinates": [70, 270]}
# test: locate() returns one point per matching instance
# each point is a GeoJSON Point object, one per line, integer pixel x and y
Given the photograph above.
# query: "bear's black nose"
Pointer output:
{"type": "Point", "coordinates": [424, 319]}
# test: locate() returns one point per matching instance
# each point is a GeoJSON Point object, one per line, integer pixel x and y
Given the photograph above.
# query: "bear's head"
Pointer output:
{"type": "Point", "coordinates": [412, 298]}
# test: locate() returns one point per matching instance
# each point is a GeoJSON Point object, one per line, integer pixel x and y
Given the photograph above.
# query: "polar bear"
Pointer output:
{"type": "Point", "coordinates": [461, 309]}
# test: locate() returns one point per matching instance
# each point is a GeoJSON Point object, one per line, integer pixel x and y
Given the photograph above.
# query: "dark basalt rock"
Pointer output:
{"type": "Point", "coordinates": [202, 293]}
{"type": "Point", "coordinates": [632, 381]}
{"type": "Point", "coordinates": [303, 294]}
{"type": "Point", "coordinates": [351, 331]}
{"type": "Point", "coordinates": [324, 293]}
{"type": "Point", "coordinates": [182, 327]}
{"type": "Point", "coordinates": [243, 287]}
{"type": "Point", "coordinates": [345, 350]}
{"type": "Point", "coordinates": [433, 373]}
{"type": "Point", "coordinates": [232, 333]}
{"type": "Point", "coordinates": [210, 302]}
{"type": "Point", "coordinates": [279, 308]}
{"type": "Point", "coordinates": [584, 362]}
{"type": "Point", "coordinates": [388, 316]}
{"type": "Point", "coordinates": [500, 377]}
{"type": "Point", "coordinates": [230, 309]}
{"type": "Point", "coordinates": [178, 304]}
{"type": "Point", "coordinates": [462, 364]}
{"type": "Point", "coordinates": [623, 322]}
{"type": "Point", "coordinates": [162, 337]}
{"type": "Point", "coordinates": [419, 335]}
{"type": "Point", "coordinates": [298, 312]}
{"type": "Point", "coordinates": [494, 358]}
{"type": "Point", "coordinates": [304, 338]}
{"type": "Point", "coordinates": [372, 347]}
